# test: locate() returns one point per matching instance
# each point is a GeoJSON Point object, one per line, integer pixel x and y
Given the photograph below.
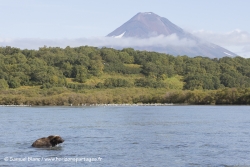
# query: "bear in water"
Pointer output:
{"type": "Point", "coordinates": [50, 141]}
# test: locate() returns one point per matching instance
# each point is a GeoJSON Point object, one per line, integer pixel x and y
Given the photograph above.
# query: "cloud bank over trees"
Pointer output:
{"type": "Point", "coordinates": [34, 43]}
{"type": "Point", "coordinates": [237, 41]}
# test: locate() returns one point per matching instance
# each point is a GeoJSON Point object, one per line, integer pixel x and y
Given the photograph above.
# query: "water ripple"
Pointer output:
{"type": "Point", "coordinates": [129, 136]}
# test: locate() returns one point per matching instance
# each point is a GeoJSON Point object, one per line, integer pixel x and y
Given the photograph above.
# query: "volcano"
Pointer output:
{"type": "Point", "coordinates": [149, 25]}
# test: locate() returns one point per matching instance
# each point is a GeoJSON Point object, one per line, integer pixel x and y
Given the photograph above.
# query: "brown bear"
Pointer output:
{"type": "Point", "coordinates": [50, 141]}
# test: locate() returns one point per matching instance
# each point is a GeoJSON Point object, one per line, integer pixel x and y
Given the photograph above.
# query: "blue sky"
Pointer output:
{"type": "Point", "coordinates": [29, 23]}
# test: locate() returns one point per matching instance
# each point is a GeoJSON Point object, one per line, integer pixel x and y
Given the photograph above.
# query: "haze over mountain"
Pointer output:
{"type": "Point", "coordinates": [148, 26]}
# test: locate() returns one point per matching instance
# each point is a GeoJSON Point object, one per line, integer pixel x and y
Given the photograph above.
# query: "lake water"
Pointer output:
{"type": "Point", "coordinates": [127, 136]}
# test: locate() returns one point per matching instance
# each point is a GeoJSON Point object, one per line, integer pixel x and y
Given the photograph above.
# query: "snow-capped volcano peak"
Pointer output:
{"type": "Point", "coordinates": [148, 24]}
{"type": "Point", "coordinates": [143, 25]}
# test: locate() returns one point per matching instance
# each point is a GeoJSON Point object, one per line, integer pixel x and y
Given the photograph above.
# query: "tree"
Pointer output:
{"type": "Point", "coordinates": [14, 82]}
{"type": "Point", "coordinates": [126, 58]}
{"type": "Point", "coordinates": [80, 73]}
{"type": "Point", "coordinates": [67, 69]}
{"type": "Point", "coordinates": [3, 84]}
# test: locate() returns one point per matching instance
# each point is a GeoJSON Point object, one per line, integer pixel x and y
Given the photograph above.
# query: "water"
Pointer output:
{"type": "Point", "coordinates": [127, 136]}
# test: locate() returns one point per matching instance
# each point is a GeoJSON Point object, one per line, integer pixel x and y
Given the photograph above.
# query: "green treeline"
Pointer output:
{"type": "Point", "coordinates": [56, 75]}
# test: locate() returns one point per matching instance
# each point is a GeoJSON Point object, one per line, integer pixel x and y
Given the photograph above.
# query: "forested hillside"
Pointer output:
{"type": "Point", "coordinates": [123, 76]}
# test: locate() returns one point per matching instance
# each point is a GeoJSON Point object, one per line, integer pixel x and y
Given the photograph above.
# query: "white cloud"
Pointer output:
{"type": "Point", "coordinates": [237, 41]}
{"type": "Point", "coordinates": [35, 43]}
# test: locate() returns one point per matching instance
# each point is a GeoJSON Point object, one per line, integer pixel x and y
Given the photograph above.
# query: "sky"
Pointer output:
{"type": "Point", "coordinates": [34, 23]}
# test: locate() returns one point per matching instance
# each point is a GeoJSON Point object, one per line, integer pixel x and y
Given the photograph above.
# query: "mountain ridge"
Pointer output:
{"type": "Point", "coordinates": [148, 24]}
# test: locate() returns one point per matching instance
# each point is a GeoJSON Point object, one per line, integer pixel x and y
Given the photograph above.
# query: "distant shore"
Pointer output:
{"type": "Point", "coordinates": [139, 104]}
{"type": "Point", "coordinates": [13, 105]}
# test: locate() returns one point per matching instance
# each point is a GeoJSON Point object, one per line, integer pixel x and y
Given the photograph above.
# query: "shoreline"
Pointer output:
{"type": "Point", "coordinates": [122, 105]}
{"type": "Point", "coordinates": [139, 104]}
{"type": "Point", "coordinates": [89, 105]}
{"type": "Point", "coordinates": [13, 105]}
